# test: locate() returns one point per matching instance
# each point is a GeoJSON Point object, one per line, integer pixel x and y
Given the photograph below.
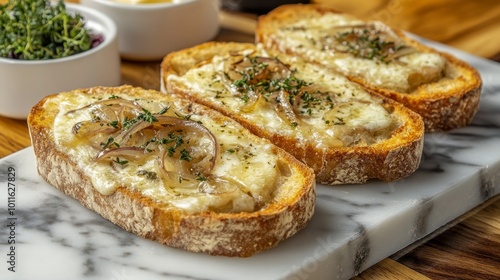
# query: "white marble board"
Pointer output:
{"type": "Point", "coordinates": [353, 227]}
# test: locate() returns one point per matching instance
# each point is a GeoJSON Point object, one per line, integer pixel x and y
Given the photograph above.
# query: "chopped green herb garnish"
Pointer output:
{"type": "Point", "coordinates": [338, 121]}
{"type": "Point", "coordinates": [147, 116]}
{"type": "Point", "coordinates": [150, 175]}
{"type": "Point", "coordinates": [268, 85]}
{"type": "Point", "coordinates": [186, 117]}
{"type": "Point", "coordinates": [185, 155]}
{"type": "Point", "coordinates": [178, 141]}
{"type": "Point", "coordinates": [367, 43]}
{"type": "Point", "coordinates": [127, 123]}
{"type": "Point", "coordinates": [170, 151]}
{"type": "Point", "coordinates": [120, 161]}
{"type": "Point", "coordinates": [164, 110]}
{"type": "Point", "coordinates": [109, 142]}
{"type": "Point", "coordinates": [114, 124]}
{"type": "Point", "coordinates": [201, 178]}
{"type": "Point", "coordinates": [144, 116]}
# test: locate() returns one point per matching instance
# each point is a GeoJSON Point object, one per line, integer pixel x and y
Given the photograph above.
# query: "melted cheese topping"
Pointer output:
{"type": "Point", "coordinates": [240, 158]}
{"type": "Point", "coordinates": [305, 38]}
{"type": "Point", "coordinates": [361, 119]}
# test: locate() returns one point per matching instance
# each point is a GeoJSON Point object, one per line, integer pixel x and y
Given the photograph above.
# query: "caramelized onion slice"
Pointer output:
{"type": "Point", "coordinates": [284, 108]}
{"type": "Point", "coordinates": [131, 153]}
{"type": "Point", "coordinates": [201, 164]}
{"type": "Point", "coordinates": [247, 76]}
{"type": "Point", "coordinates": [145, 138]}
{"type": "Point", "coordinates": [206, 163]}
{"type": "Point", "coordinates": [403, 51]}
{"type": "Point", "coordinates": [250, 96]}
{"type": "Point", "coordinates": [217, 185]}
{"type": "Point", "coordinates": [274, 69]}
{"type": "Point", "coordinates": [254, 69]}
{"type": "Point", "coordinates": [234, 67]}
{"type": "Point", "coordinates": [90, 128]}
{"type": "Point", "coordinates": [253, 98]}
{"type": "Point", "coordinates": [174, 180]}
{"type": "Point", "coordinates": [188, 185]}
{"type": "Point", "coordinates": [125, 137]}
{"type": "Point", "coordinates": [312, 100]}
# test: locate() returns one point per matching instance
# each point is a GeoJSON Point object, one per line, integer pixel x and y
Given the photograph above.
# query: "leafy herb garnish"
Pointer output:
{"type": "Point", "coordinates": [114, 124]}
{"type": "Point", "coordinates": [368, 43]}
{"type": "Point", "coordinates": [201, 178]}
{"type": "Point", "coordinates": [146, 116]}
{"type": "Point", "coordinates": [110, 142]}
{"type": "Point", "coordinates": [39, 29]}
{"type": "Point", "coordinates": [127, 123]}
{"type": "Point", "coordinates": [268, 85]}
{"type": "Point", "coordinates": [150, 175]}
{"type": "Point", "coordinates": [121, 162]}
{"type": "Point", "coordinates": [164, 110]}
{"type": "Point", "coordinates": [185, 155]}
{"type": "Point", "coordinates": [186, 117]}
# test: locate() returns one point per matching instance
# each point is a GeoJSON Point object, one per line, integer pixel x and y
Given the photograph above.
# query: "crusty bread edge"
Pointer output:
{"type": "Point", "coordinates": [390, 160]}
{"type": "Point", "coordinates": [439, 111]}
{"type": "Point", "coordinates": [227, 234]}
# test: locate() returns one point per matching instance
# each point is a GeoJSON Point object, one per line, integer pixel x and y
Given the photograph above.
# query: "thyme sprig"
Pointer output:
{"type": "Point", "coordinates": [39, 29]}
{"type": "Point", "coordinates": [146, 116]}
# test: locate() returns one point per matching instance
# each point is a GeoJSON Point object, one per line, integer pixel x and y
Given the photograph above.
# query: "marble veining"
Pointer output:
{"type": "Point", "coordinates": [424, 210]}
{"type": "Point", "coordinates": [354, 226]}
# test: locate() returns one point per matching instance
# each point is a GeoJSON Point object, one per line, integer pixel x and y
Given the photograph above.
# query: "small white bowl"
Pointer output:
{"type": "Point", "coordinates": [148, 32]}
{"type": "Point", "coordinates": [25, 82]}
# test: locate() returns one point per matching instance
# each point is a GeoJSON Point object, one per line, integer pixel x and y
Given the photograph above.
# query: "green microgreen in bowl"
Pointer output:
{"type": "Point", "coordinates": [39, 29]}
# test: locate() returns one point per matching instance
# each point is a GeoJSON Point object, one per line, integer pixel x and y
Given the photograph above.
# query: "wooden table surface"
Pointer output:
{"type": "Point", "coordinates": [469, 249]}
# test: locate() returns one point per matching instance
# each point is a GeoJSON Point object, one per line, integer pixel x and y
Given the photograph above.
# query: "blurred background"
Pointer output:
{"type": "Point", "coordinates": [473, 26]}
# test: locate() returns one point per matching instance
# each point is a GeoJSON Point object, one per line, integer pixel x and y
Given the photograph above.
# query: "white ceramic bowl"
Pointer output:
{"type": "Point", "coordinates": [148, 32]}
{"type": "Point", "coordinates": [25, 82]}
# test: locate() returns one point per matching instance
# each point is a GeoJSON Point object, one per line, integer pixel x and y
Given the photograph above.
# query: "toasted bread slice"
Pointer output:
{"type": "Point", "coordinates": [444, 90]}
{"type": "Point", "coordinates": [171, 171]}
{"type": "Point", "coordinates": [346, 134]}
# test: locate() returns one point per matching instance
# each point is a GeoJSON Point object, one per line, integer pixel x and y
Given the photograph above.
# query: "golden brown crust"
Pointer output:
{"type": "Point", "coordinates": [389, 160]}
{"type": "Point", "coordinates": [229, 234]}
{"type": "Point", "coordinates": [448, 103]}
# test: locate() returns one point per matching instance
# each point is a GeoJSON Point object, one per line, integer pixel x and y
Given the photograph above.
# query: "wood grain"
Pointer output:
{"type": "Point", "coordinates": [13, 136]}
{"type": "Point", "coordinates": [389, 269]}
{"type": "Point", "coordinates": [469, 250]}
